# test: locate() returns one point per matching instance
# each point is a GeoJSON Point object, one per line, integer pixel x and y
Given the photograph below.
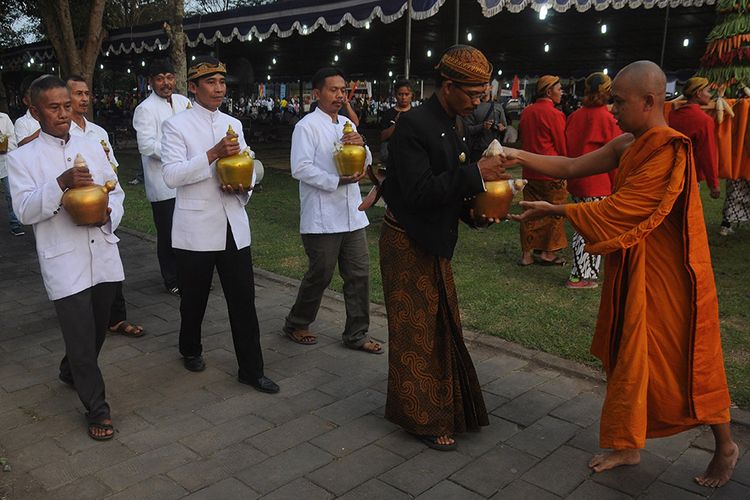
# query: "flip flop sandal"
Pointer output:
{"type": "Point", "coordinates": [432, 442]}
{"type": "Point", "coordinates": [94, 426]}
{"type": "Point", "coordinates": [128, 329]}
{"type": "Point", "coordinates": [524, 264]}
{"type": "Point", "coordinates": [304, 337]}
{"type": "Point", "coordinates": [362, 347]}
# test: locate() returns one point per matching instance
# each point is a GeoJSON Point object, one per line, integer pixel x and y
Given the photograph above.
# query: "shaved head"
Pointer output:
{"type": "Point", "coordinates": [638, 93]}
{"type": "Point", "coordinates": [646, 76]}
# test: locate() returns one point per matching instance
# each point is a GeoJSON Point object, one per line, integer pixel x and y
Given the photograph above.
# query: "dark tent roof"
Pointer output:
{"type": "Point", "coordinates": [513, 41]}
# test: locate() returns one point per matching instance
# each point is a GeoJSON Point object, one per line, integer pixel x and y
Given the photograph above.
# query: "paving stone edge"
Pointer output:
{"type": "Point", "coordinates": [739, 416]}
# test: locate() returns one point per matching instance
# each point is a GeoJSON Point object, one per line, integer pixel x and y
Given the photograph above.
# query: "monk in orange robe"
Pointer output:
{"type": "Point", "coordinates": [657, 333]}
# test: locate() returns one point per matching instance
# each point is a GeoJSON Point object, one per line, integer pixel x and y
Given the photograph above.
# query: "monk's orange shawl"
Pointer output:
{"type": "Point", "coordinates": [657, 333]}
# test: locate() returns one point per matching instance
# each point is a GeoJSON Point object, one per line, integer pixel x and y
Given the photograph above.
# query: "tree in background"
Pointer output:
{"type": "Point", "coordinates": [209, 6]}
{"type": "Point", "coordinates": [11, 34]}
{"type": "Point", "coordinates": [177, 41]}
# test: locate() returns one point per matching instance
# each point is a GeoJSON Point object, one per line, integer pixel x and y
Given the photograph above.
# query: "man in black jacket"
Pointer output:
{"type": "Point", "coordinates": [433, 391]}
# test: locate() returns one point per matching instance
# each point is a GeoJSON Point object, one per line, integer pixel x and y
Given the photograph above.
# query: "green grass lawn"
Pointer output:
{"type": "Point", "coordinates": [525, 305]}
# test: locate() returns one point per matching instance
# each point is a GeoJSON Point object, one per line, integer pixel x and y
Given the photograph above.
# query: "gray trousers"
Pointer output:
{"type": "Point", "coordinates": [324, 251]}
{"type": "Point", "coordinates": [84, 318]}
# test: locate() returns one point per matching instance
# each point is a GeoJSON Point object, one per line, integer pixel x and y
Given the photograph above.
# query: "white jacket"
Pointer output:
{"type": "Point", "coordinates": [201, 208]}
{"type": "Point", "coordinates": [325, 207]}
{"type": "Point", "coordinates": [25, 126]}
{"type": "Point", "coordinates": [95, 133]}
{"type": "Point", "coordinates": [147, 121]}
{"type": "Point", "coordinates": [6, 128]}
{"type": "Point", "coordinates": [72, 258]}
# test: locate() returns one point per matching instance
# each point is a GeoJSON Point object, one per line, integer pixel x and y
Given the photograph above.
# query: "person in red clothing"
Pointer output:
{"type": "Point", "coordinates": [699, 127]}
{"type": "Point", "coordinates": [542, 130]}
{"type": "Point", "coordinates": [588, 129]}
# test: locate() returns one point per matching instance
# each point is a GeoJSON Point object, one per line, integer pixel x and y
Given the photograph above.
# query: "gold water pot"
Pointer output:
{"type": "Point", "coordinates": [87, 205]}
{"type": "Point", "coordinates": [495, 202]}
{"type": "Point", "coordinates": [236, 169]}
{"type": "Point", "coordinates": [3, 143]}
{"type": "Point", "coordinates": [350, 158]}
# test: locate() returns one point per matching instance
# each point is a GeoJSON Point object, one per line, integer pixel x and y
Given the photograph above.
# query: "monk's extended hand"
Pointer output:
{"type": "Point", "coordinates": [537, 210]}
{"type": "Point", "coordinates": [351, 179]}
{"type": "Point", "coordinates": [511, 156]}
{"type": "Point", "coordinates": [353, 138]}
{"type": "Point", "coordinates": [715, 194]}
{"type": "Point", "coordinates": [491, 168]}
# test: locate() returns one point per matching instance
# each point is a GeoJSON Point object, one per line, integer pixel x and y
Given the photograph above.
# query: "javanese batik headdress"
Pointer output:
{"type": "Point", "coordinates": [465, 65]}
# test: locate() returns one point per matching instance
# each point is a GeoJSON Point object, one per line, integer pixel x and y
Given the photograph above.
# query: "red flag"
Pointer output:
{"type": "Point", "coordinates": [515, 87]}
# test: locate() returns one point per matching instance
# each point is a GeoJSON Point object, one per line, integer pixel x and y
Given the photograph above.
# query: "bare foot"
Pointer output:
{"type": "Point", "coordinates": [615, 459]}
{"type": "Point", "coordinates": [719, 470]}
{"type": "Point", "coordinates": [446, 440]}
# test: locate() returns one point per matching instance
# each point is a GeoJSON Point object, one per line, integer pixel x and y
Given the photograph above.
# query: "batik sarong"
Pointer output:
{"type": "Point", "coordinates": [585, 265]}
{"type": "Point", "coordinates": [737, 201]}
{"type": "Point", "coordinates": [547, 233]}
{"type": "Point", "coordinates": [433, 388]}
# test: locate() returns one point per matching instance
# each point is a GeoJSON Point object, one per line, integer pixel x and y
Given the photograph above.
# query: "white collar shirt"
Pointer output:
{"type": "Point", "coordinates": [202, 209]}
{"type": "Point", "coordinates": [325, 207]}
{"type": "Point", "coordinates": [147, 122]}
{"type": "Point", "coordinates": [72, 258]}
{"type": "Point", "coordinates": [6, 130]}
{"type": "Point", "coordinates": [95, 133]}
{"type": "Point", "coordinates": [25, 126]}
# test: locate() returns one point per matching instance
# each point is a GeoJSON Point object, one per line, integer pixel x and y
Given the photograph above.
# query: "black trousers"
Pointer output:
{"type": "Point", "coordinates": [83, 318]}
{"type": "Point", "coordinates": [235, 267]}
{"type": "Point", "coordinates": [118, 311]}
{"type": "Point", "coordinates": [163, 211]}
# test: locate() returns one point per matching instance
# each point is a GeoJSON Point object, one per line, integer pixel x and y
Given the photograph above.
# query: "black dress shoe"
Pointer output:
{"type": "Point", "coordinates": [194, 363]}
{"type": "Point", "coordinates": [263, 384]}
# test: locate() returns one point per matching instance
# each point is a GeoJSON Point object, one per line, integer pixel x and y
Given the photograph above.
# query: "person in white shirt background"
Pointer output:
{"type": "Point", "coordinates": [331, 226]}
{"type": "Point", "coordinates": [26, 127]}
{"type": "Point", "coordinates": [210, 225]}
{"type": "Point", "coordinates": [147, 121]}
{"type": "Point", "coordinates": [80, 265]}
{"type": "Point", "coordinates": [7, 144]}
{"type": "Point", "coordinates": [81, 127]}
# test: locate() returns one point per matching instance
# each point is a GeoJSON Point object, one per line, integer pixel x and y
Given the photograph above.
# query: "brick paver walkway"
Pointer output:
{"type": "Point", "coordinates": [203, 435]}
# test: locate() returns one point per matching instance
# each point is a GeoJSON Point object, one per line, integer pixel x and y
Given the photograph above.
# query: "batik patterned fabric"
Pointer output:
{"type": "Point", "coordinates": [466, 65]}
{"type": "Point", "coordinates": [433, 388]}
{"type": "Point", "coordinates": [585, 265]}
{"type": "Point", "coordinates": [737, 202]}
{"type": "Point", "coordinates": [547, 233]}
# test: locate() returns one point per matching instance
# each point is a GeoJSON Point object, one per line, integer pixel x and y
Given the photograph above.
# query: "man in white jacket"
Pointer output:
{"type": "Point", "coordinates": [81, 127]}
{"type": "Point", "coordinates": [148, 117]}
{"type": "Point", "coordinates": [332, 228]}
{"type": "Point", "coordinates": [7, 144]}
{"type": "Point", "coordinates": [210, 227]}
{"type": "Point", "coordinates": [26, 126]}
{"type": "Point", "coordinates": [80, 264]}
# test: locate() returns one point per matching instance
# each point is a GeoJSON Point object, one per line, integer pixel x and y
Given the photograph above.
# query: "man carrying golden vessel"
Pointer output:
{"type": "Point", "coordinates": [210, 227]}
{"type": "Point", "coordinates": [433, 390]}
{"type": "Point", "coordinates": [80, 264]}
{"type": "Point", "coordinates": [332, 229]}
{"type": "Point", "coordinates": [81, 127]}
